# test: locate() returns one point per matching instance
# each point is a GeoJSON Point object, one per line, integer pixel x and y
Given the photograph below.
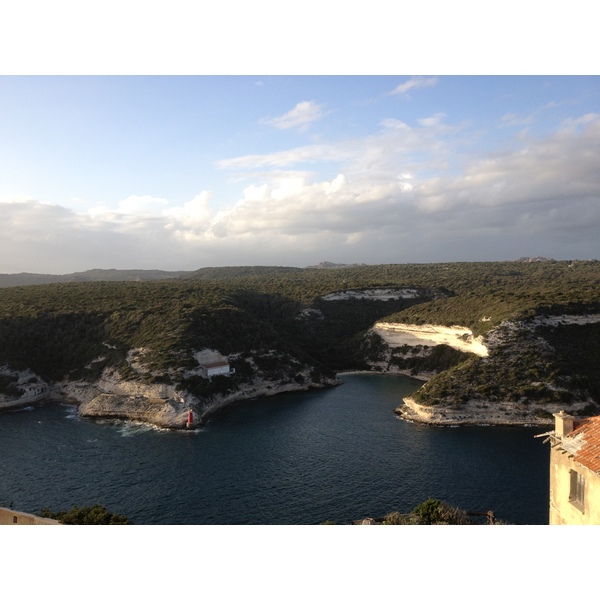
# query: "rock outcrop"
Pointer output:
{"type": "Point", "coordinates": [164, 407]}
{"type": "Point", "coordinates": [173, 407]}
{"type": "Point", "coordinates": [478, 412]}
{"type": "Point", "coordinates": [461, 338]}
{"type": "Point", "coordinates": [161, 412]}
{"type": "Point", "coordinates": [516, 381]}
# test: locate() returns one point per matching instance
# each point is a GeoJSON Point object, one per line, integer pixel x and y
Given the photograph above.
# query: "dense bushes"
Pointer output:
{"type": "Point", "coordinates": [77, 329]}
{"type": "Point", "coordinates": [431, 512]}
{"type": "Point", "coordinates": [85, 515]}
{"type": "Point", "coordinates": [540, 366]}
{"type": "Point", "coordinates": [433, 360]}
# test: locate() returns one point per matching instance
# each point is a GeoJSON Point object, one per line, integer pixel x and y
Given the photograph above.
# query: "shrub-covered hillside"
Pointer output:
{"type": "Point", "coordinates": [74, 330]}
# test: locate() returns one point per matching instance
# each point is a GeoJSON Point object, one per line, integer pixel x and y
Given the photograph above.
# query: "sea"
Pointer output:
{"type": "Point", "coordinates": [332, 455]}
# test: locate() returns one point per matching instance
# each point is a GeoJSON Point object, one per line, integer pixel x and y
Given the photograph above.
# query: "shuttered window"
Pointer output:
{"type": "Point", "coordinates": [577, 489]}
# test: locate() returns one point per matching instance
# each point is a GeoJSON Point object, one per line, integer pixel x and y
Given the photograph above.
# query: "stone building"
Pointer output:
{"type": "Point", "coordinates": [575, 471]}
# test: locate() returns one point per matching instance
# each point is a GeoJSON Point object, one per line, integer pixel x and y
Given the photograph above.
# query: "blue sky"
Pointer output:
{"type": "Point", "coordinates": [181, 172]}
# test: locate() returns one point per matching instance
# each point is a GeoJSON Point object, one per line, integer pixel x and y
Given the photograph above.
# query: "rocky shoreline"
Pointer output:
{"type": "Point", "coordinates": [472, 413]}
{"type": "Point", "coordinates": [159, 405]}
{"type": "Point", "coordinates": [451, 408]}
{"type": "Point", "coordinates": [477, 412]}
{"type": "Point", "coordinates": [163, 407]}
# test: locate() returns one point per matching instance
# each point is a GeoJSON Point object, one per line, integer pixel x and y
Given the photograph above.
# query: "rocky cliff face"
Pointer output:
{"type": "Point", "coordinates": [480, 412]}
{"type": "Point", "coordinates": [113, 397]}
{"type": "Point", "coordinates": [170, 406]}
{"type": "Point", "coordinates": [166, 413]}
{"type": "Point", "coordinates": [460, 338]}
{"type": "Point", "coordinates": [163, 405]}
{"type": "Point", "coordinates": [520, 379]}
{"type": "Point", "coordinates": [264, 373]}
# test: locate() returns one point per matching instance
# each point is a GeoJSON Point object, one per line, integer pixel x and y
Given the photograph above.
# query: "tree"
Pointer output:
{"type": "Point", "coordinates": [86, 515]}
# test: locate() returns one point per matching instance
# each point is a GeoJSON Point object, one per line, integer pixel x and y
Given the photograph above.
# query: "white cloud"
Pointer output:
{"type": "Point", "coordinates": [303, 154]}
{"type": "Point", "coordinates": [572, 124]}
{"type": "Point", "coordinates": [195, 212]}
{"type": "Point", "coordinates": [396, 139]}
{"type": "Point", "coordinates": [432, 121]}
{"type": "Point", "coordinates": [300, 117]}
{"type": "Point", "coordinates": [404, 194]}
{"type": "Point", "coordinates": [413, 83]}
{"type": "Point", "coordinates": [394, 124]}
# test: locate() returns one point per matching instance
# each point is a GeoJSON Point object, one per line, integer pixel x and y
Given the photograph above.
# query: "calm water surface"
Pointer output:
{"type": "Point", "coordinates": [337, 454]}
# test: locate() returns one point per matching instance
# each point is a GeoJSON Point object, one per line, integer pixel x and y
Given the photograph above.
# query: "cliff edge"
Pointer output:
{"type": "Point", "coordinates": [521, 373]}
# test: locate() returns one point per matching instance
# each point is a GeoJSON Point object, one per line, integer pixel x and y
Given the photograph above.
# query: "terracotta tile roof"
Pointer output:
{"type": "Point", "coordinates": [588, 432]}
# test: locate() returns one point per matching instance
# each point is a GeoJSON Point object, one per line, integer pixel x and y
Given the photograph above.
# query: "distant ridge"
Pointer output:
{"type": "Point", "coordinates": [213, 273]}
{"type": "Point", "coordinates": [16, 279]}
{"type": "Point", "coordinates": [205, 273]}
{"type": "Point", "coordinates": [329, 265]}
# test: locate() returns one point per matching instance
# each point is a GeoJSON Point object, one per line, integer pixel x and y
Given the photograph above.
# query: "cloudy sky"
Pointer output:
{"type": "Point", "coordinates": [182, 172]}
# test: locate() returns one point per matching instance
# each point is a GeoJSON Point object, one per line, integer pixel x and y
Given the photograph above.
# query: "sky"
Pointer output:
{"type": "Point", "coordinates": [182, 172]}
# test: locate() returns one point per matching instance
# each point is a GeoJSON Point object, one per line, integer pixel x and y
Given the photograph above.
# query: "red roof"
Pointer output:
{"type": "Point", "coordinates": [589, 453]}
{"type": "Point", "coordinates": [213, 365]}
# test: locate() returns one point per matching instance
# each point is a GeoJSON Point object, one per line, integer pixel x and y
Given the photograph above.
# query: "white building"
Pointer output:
{"type": "Point", "coordinates": [212, 363]}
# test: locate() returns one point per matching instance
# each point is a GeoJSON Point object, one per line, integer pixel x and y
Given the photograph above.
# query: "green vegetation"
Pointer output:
{"type": "Point", "coordinates": [431, 512]}
{"type": "Point", "coordinates": [542, 365]}
{"type": "Point", "coordinates": [488, 293]}
{"type": "Point", "coordinates": [85, 515]}
{"type": "Point", "coordinates": [439, 358]}
{"type": "Point", "coordinates": [275, 318]}
{"type": "Point", "coordinates": [435, 512]}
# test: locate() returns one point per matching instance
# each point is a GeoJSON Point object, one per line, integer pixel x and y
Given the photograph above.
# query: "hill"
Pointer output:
{"type": "Point", "coordinates": [16, 279]}
{"type": "Point", "coordinates": [284, 328]}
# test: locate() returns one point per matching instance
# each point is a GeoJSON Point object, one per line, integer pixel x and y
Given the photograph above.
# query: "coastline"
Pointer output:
{"type": "Point", "coordinates": [172, 410]}
{"type": "Point", "coordinates": [474, 413]}
{"type": "Point", "coordinates": [161, 406]}
{"type": "Point", "coordinates": [171, 413]}
{"type": "Point", "coordinates": [424, 377]}
{"type": "Point", "coordinates": [255, 392]}
{"type": "Point", "coordinates": [477, 413]}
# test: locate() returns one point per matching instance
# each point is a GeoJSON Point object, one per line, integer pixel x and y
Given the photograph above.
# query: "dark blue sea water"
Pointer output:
{"type": "Point", "coordinates": [337, 454]}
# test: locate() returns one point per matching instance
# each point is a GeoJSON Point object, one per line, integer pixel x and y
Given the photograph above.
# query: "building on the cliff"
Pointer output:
{"type": "Point", "coordinates": [212, 363]}
{"type": "Point", "coordinates": [34, 390]}
{"type": "Point", "coordinates": [575, 471]}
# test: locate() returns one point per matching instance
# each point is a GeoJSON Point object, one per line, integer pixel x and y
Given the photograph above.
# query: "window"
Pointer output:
{"type": "Point", "coordinates": [576, 490]}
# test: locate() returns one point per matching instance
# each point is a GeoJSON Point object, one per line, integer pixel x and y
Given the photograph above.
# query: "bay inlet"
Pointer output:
{"type": "Point", "coordinates": [301, 458]}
